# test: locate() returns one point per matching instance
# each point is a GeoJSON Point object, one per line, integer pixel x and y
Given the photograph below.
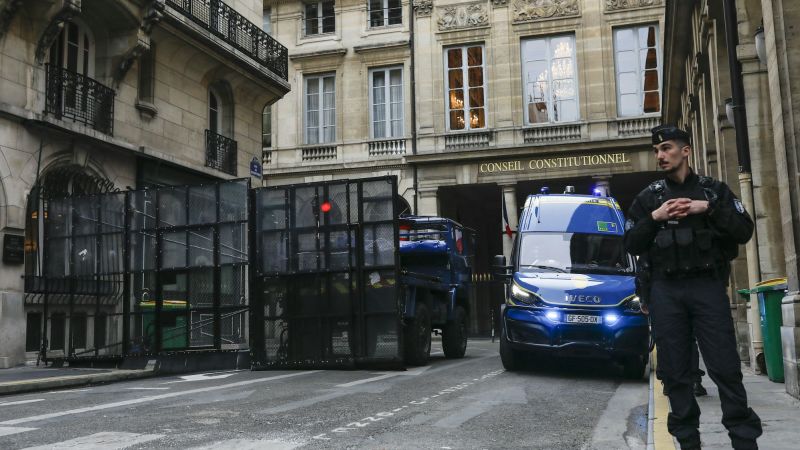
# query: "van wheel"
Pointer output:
{"type": "Point", "coordinates": [454, 341]}
{"type": "Point", "coordinates": [508, 356]}
{"type": "Point", "coordinates": [634, 368]}
{"type": "Point", "coordinates": [418, 337]}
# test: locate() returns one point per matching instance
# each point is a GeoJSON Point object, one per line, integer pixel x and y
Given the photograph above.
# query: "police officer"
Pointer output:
{"type": "Point", "coordinates": [687, 228]}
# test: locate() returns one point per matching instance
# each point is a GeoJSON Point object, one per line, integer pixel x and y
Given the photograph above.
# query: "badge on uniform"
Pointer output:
{"type": "Point", "coordinates": [739, 206]}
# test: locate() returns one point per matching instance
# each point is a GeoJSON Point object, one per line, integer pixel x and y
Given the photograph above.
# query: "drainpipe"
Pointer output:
{"type": "Point", "coordinates": [745, 174]}
{"type": "Point", "coordinates": [413, 100]}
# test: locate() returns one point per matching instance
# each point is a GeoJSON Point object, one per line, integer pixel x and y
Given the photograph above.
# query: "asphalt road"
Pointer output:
{"type": "Point", "coordinates": [450, 404]}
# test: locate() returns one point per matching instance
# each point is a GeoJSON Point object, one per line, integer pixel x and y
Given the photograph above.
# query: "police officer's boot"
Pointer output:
{"type": "Point", "coordinates": [698, 389]}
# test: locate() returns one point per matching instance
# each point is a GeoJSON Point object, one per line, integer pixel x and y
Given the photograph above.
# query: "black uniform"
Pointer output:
{"type": "Point", "coordinates": [689, 265]}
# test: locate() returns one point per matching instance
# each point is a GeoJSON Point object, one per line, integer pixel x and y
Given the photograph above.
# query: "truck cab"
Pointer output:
{"type": "Point", "coordinates": [570, 285]}
{"type": "Point", "coordinates": [436, 259]}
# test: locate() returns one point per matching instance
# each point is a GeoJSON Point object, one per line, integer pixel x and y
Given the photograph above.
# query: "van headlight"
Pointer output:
{"type": "Point", "coordinates": [634, 304]}
{"type": "Point", "coordinates": [521, 295]}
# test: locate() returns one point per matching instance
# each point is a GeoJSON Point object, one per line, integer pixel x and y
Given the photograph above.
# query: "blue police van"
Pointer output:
{"type": "Point", "coordinates": [570, 285]}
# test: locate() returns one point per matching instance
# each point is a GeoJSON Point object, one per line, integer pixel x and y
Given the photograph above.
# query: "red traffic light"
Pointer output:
{"type": "Point", "coordinates": [325, 207]}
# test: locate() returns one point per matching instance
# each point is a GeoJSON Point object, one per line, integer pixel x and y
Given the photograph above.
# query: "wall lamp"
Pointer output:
{"type": "Point", "coordinates": [761, 46]}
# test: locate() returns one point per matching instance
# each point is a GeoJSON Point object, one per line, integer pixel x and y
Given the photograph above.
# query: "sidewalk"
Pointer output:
{"type": "Point", "coordinates": [31, 378]}
{"type": "Point", "coordinates": [779, 412]}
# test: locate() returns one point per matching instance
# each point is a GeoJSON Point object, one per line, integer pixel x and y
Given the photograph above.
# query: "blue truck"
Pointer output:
{"type": "Point", "coordinates": [570, 286]}
{"type": "Point", "coordinates": [436, 259]}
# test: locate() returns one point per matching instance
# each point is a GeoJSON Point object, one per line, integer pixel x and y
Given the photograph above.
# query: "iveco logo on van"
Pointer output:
{"type": "Point", "coordinates": [572, 298]}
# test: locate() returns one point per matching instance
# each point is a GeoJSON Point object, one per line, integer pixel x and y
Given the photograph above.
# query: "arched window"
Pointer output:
{"type": "Point", "coordinates": [266, 128]}
{"type": "Point", "coordinates": [74, 49]}
{"type": "Point", "coordinates": [220, 108]}
{"type": "Point", "coordinates": [214, 113]}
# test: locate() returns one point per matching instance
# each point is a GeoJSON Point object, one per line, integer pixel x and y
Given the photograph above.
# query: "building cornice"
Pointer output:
{"type": "Point", "coordinates": [380, 46]}
{"type": "Point", "coordinates": [318, 54]}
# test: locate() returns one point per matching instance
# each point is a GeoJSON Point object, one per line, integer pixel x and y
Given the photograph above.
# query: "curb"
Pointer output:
{"type": "Point", "coordinates": [43, 384]}
{"type": "Point", "coordinates": [658, 437]}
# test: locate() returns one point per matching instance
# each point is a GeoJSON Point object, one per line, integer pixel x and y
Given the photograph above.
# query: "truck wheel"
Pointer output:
{"type": "Point", "coordinates": [454, 341]}
{"type": "Point", "coordinates": [508, 356]}
{"type": "Point", "coordinates": [418, 337]}
{"type": "Point", "coordinates": [634, 368]}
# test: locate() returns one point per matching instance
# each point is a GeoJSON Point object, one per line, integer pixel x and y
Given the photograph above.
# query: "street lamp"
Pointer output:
{"type": "Point", "coordinates": [761, 46]}
{"type": "Point", "coordinates": [729, 111]}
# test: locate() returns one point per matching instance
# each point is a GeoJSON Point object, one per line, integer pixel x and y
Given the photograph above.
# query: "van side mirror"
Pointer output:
{"type": "Point", "coordinates": [501, 269]}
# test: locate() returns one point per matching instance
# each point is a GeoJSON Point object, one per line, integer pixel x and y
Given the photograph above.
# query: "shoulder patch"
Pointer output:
{"type": "Point", "coordinates": [738, 205]}
{"type": "Point", "coordinates": [705, 181]}
{"type": "Point", "coordinates": [657, 186]}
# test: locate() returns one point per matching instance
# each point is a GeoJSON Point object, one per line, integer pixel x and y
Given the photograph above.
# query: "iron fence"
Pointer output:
{"type": "Point", "coordinates": [221, 152]}
{"type": "Point", "coordinates": [71, 95]}
{"type": "Point", "coordinates": [233, 28]}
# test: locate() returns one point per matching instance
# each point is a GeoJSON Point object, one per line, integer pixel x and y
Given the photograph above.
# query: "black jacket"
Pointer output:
{"type": "Point", "coordinates": [726, 215]}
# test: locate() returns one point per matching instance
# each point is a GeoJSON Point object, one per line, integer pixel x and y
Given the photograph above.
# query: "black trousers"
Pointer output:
{"type": "Point", "coordinates": [697, 373]}
{"type": "Point", "coordinates": [700, 307]}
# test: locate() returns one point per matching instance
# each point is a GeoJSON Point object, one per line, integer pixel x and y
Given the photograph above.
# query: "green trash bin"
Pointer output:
{"type": "Point", "coordinates": [173, 323]}
{"type": "Point", "coordinates": [770, 293]}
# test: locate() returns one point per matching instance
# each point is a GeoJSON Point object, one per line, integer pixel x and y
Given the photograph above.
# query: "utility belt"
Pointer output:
{"type": "Point", "coordinates": [687, 252]}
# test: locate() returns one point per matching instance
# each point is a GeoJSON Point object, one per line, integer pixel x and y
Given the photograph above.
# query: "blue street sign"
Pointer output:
{"type": "Point", "coordinates": [255, 167]}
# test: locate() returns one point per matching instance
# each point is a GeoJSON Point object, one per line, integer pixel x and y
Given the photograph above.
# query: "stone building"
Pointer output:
{"type": "Point", "coordinates": [104, 95]}
{"type": "Point", "coordinates": [472, 104]}
{"type": "Point", "coordinates": [699, 87]}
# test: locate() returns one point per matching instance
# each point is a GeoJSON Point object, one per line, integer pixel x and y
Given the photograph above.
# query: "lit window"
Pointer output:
{"type": "Point", "coordinates": [320, 109]}
{"type": "Point", "coordinates": [638, 62]}
{"type": "Point", "coordinates": [549, 71]}
{"type": "Point", "coordinates": [386, 94]}
{"type": "Point", "coordinates": [465, 87]}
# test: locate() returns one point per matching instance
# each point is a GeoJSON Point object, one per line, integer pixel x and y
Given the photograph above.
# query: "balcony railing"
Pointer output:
{"type": "Point", "coordinates": [387, 147]}
{"type": "Point", "coordinates": [637, 127]}
{"type": "Point", "coordinates": [227, 24]}
{"type": "Point", "coordinates": [551, 134]}
{"type": "Point", "coordinates": [459, 141]}
{"type": "Point", "coordinates": [322, 153]}
{"type": "Point", "coordinates": [220, 153]}
{"type": "Point", "coordinates": [72, 96]}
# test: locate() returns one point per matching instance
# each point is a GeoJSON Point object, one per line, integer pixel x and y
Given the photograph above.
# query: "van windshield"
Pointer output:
{"type": "Point", "coordinates": [574, 253]}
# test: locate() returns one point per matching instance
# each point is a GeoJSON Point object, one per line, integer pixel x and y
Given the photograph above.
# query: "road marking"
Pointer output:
{"type": "Point", "coordinates": [22, 402]}
{"type": "Point", "coordinates": [662, 440]}
{"type": "Point", "coordinates": [147, 388]}
{"type": "Point", "coordinates": [106, 440]}
{"type": "Point", "coordinates": [151, 398]}
{"type": "Point", "coordinates": [65, 391]}
{"type": "Point", "coordinates": [202, 377]}
{"type": "Point", "coordinates": [383, 415]}
{"type": "Point", "coordinates": [5, 431]}
{"type": "Point", "coordinates": [385, 375]}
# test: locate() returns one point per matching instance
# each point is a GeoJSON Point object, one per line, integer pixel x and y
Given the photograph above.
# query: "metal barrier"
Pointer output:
{"type": "Point", "coordinates": [324, 275]}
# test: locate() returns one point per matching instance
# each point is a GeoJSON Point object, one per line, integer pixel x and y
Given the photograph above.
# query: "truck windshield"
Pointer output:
{"type": "Point", "coordinates": [574, 253]}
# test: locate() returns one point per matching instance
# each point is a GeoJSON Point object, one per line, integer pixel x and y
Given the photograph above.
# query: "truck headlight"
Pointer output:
{"type": "Point", "coordinates": [521, 295]}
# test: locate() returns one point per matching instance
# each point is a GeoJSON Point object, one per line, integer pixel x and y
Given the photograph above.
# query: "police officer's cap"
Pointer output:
{"type": "Point", "coordinates": [664, 133]}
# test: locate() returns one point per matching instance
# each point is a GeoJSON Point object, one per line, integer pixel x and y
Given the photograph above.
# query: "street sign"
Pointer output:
{"type": "Point", "coordinates": [255, 167]}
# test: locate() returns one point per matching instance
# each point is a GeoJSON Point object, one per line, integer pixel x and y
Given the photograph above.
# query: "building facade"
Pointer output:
{"type": "Point", "coordinates": [472, 104]}
{"type": "Point", "coordinates": [699, 84]}
{"type": "Point", "coordinates": [98, 96]}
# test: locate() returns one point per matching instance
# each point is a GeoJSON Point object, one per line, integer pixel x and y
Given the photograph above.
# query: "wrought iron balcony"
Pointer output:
{"type": "Point", "coordinates": [224, 22]}
{"type": "Point", "coordinates": [220, 153]}
{"type": "Point", "coordinates": [70, 95]}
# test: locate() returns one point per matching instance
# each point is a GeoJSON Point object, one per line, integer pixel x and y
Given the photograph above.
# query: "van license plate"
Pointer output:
{"type": "Point", "coordinates": [579, 318]}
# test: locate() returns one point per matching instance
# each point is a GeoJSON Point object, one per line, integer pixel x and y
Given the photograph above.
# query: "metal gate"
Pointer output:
{"type": "Point", "coordinates": [144, 272]}
{"type": "Point", "coordinates": [323, 273]}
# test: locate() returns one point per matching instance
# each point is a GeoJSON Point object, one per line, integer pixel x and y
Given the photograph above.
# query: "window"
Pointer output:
{"type": "Point", "coordinates": [466, 101]}
{"type": "Point", "coordinates": [73, 50]}
{"type": "Point", "coordinates": [320, 109]}
{"type": "Point", "coordinates": [147, 70]}
{"type": "Point", "coordinates": [386, 98]}
{"type": "Point", "coordinates": [549, 79]}
{"type": "Point", "coordinates": [638, 70]}
{"type": "Point", "coordinates": [214, 113]}
{"type": "Point", "coordinates": [267, 23]}
{"type": "Point", "coordinates": [266, 127]}
{"type": "Point", "coordinates": [319, 18]}
{"type": "Point", "coordinates": [385, 12]}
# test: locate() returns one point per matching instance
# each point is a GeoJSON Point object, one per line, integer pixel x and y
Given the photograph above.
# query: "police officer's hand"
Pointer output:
{"type": "Point", "coordinates": [698, 207]}
{"type": "Point", "coordinates": [676, 208]}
